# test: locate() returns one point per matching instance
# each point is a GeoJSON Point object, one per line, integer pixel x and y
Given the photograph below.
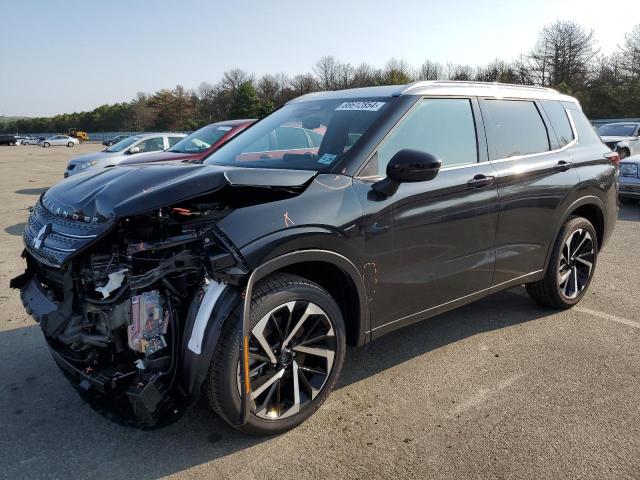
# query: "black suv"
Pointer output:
{"type": "Point", "coordinates": [244, 277]}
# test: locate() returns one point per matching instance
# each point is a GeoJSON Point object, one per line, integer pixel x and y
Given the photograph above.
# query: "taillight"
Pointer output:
{"type": "Point", "coordinates": [613, 157]}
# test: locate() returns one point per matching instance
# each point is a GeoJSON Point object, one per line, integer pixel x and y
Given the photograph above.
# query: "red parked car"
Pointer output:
{"type": "Point", "coordinates": [200, 143]}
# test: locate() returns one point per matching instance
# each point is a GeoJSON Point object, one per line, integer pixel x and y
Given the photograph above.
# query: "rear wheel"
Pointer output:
{"type": "Point", "coordinates": [46, 144]}
{"type": "Point", "coordinates": [296, 351]}
{"type": "Point", "coordinates": [70, 144]}
{"type": "Point", "coordinates": [570, 268]}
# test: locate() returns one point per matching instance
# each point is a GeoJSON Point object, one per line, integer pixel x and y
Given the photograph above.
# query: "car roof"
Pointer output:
{"type": "Point", "coordinates": [632, 159]}
{"type": "Point", "coordinates": [235, 123]}
{"type": "Point", "coordinates": [158, 134]}
{"type": "Point", "coordinates": [445, 88]}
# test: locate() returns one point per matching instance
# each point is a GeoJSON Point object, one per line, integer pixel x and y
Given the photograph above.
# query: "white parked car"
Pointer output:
{"type": "Point", "coordinates": [622, 137]}
{"type": "Point", "coordinates": [59, 141]}
{"type": "Point", "coordinates": [29, 141]}
{"type": "Point", "coordinates": [130, 150]}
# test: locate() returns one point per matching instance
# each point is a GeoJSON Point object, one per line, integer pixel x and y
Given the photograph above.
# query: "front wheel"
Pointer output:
{"type": "Point", "coordinates": [46, 144]}
{"type": "Point", "coordinates": [70, 144]}
{"type": "Point", "coordinates": [296, 351]}
{"type": "Point", "coordinates": [570, 268]}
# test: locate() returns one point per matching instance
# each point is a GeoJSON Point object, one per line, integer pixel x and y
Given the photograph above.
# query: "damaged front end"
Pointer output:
{"type": "Point", "coordinates": [127, 304]}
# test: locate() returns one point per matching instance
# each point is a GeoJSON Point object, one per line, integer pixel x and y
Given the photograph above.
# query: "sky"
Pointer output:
{"type": "Point", "coordinates": [76, 55]}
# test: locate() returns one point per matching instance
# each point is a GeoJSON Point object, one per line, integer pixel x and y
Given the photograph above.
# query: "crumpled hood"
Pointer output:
{"type": "Point", "coordinates": [616, 139]}
{"type": "Point", "coordinates": [119, 192]}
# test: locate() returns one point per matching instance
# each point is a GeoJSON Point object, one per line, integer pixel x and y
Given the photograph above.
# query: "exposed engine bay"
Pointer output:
{"type": "Point", "coordinates": [117, 310]}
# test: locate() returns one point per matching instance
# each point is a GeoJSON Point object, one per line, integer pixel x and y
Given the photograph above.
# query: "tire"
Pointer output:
{"type": "Point", "coordinates": [46, 144]}
{"type": "Point", "coordinates": [551, 291]}
{"type": "Point", "coordinates": [70, 144]}
{"type": "Point", "coordinates": [272, 412]}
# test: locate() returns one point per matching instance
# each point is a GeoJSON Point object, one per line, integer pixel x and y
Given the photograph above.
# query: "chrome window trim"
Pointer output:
{"type": "Point", "coordinates": [538, 154]}
{"type": "Point", "coordinates": [401, 119]}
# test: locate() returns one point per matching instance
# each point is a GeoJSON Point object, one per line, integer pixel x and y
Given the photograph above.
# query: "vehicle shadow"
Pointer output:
{"type": "Point", "coordinates": [16, 229]}
{"type": "Point", "coordinates": [32, 191]}
{"type": "Point", "coordinates": [48, 431]}
{"type": "Point", "coordinates": [629, 212]}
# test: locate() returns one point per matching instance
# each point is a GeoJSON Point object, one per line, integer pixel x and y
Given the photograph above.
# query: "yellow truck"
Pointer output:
{"type": "Point", "coordinates": [80, 135]}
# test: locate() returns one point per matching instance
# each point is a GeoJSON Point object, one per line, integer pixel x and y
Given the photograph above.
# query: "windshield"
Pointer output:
{"type": "Point", "coordinates": [200, 139]}
{"type": "Point", "coordinates": [617, 130]}
{"type": "Point", "coordinates": [309, 135]}
{"type": "Point", "coordinates": [122, 144]}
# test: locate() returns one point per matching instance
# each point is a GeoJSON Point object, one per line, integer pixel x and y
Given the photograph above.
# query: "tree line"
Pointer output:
{"type": "Point", "coordinates": [566, 57]}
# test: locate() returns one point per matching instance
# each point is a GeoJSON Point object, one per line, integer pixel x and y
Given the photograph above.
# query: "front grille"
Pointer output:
{"type": "Point", "coordinates": [61, 239]}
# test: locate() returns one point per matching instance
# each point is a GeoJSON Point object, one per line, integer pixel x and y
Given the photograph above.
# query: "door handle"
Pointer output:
{"type": "Point", "coordinates": [563, 166]}
{"type": "Point", "coordinates": [480, 181]}
{"type": "Point", "coordinates": [266, 156]}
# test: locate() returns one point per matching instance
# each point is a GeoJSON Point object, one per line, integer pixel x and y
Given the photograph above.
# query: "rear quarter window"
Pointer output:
{"type": "Point", "coordinates": [586, 133]}
{"type": "Point", "coordinates": [559, 121]}
{"type": "Point", "coordinates": [514, 128]}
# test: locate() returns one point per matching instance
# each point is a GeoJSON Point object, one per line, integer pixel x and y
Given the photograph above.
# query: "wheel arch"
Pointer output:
{"type": "Point", "coordinates": [336, 274]}
{"type": "Point", "coordinates": [589, 207]}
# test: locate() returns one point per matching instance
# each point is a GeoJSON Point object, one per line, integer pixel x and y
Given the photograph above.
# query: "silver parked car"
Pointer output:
{"type": "Point", "coordinates": [130, 150]}
{"type": "Point", "coordinates": [59, 141]}
{"type": "Point", "coordinates": [622, 137]}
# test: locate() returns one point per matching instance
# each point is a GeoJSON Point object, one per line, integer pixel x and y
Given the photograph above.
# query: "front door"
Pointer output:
{"type": "Point", "coordinates": [443, 230]}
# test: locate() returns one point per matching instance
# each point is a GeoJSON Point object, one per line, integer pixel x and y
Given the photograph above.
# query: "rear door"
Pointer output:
{"type": "Point", "coordinates": [535, 178]}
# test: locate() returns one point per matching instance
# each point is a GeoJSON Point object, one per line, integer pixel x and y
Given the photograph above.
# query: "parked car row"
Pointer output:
{"type": "Point", "coordinates": [50, 141]}
{"type": "Point", "coordinates": [159, 147]}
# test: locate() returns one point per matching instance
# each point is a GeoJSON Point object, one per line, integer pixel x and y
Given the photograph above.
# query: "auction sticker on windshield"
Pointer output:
{"type": "Point", "coordinates": [362, 106]}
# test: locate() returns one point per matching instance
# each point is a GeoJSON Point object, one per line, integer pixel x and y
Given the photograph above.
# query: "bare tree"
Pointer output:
{"type": "Point", "coordinates": [430, 70]}
{"type": "Point", "coordinates": [233, 79]}
{"type": "Point", "coordinates": [562, 54]}
{"type": "Point", "coordinates": [630, 53]}
{"type": "Point", "coordinates": [327, 71]}
{"type": "Point", "coordinates": [304, 83]}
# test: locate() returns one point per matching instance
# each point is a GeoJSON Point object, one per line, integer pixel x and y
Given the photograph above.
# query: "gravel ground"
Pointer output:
{"type": "Point", "coordinates": [497, 389]}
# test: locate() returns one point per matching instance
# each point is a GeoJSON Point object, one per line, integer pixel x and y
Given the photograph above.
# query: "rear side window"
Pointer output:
{"type": "Point", "coordinates": [442, 127]}
{"type": "Point", "coordinates": [514, 127]}
{"type": "Point", "coordinates": [586, 133]}
{"type": "Point", "coordinates": [559, 121]}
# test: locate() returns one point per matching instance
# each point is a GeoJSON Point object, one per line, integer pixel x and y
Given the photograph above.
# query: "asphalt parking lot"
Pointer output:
{"type": "Point", "coordinates": [498, 389]}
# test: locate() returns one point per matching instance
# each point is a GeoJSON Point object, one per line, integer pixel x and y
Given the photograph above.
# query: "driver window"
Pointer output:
{"type": "Point", "coordinates": [443, 127]}
{"type": "Point", "coordinates": [151, 145]}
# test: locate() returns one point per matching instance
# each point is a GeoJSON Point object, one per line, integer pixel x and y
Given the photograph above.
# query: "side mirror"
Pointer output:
{"type": "Point", "coordinates": [408, 166]}
{"type": "Point", "coordinates": [133, 150]}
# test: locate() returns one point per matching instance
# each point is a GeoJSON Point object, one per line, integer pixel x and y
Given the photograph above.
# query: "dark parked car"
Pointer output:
{"type": "Point", "coordinates": [8, 140]}
{"type": "Point", "coordinates": [629, 188]}
{"type": "Point", "coordinates": [202, 142]}
{"type": "Point", "coordinates": [112, 141]}
{"type": "Point", "coordinates": [244, 277]}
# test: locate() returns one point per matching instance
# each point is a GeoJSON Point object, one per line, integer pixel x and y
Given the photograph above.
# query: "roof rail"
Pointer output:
{"type": "Point", "coordinates": [462, 83]}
